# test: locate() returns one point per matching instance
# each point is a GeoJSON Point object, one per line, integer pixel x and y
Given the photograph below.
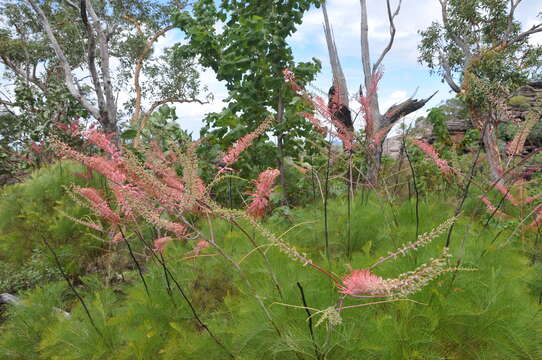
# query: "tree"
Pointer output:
{"type": "Point", "coordinates": [481, 51]}
{"type": "Point", "coordinates": [377, 125]}
{"type": "Point", "coordinates": [249, 54]}
{"type": "Point", "coordinates": [76, 44]}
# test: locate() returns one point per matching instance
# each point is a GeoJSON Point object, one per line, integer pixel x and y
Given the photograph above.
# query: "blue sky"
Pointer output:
{"type": "Point", "coordinates": [402, 73]}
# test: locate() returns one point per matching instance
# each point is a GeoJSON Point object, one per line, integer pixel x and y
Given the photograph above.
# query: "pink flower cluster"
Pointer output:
{"type": "Point", "coordinates": [240, 145]}
{"type": "Point", "coordinates": [160, 243]}
{"type": "Point", "coordinates": [99, 204]}
{"type": "Point", "coordinates": [433, 154]}
{"type": "Point", "coordinates": [103, 141]}
{"type": "Point", "coordinates": [316, 123]}
{"type": "Point", "coordinates": [361, 282]}
{"type": "Point", "coordinates": [326, 110]}
{"type": "Point", "coordinates": [264, 186]}
{"type": "Point", "coordinates": [141, 190]}
{"type": "Point", "coordinates": [72, 129]}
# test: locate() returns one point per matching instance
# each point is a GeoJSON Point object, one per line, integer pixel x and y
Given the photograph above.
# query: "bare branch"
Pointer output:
{"type": "Point", "coordinates": [91, 56]}
{"type": "Point", "coordinates": [453, 34]}
{"type": "Point", "coordinates": [68, 77]}
{"type": "Point", "coordinates": [162, 102]}
{"type": "Point", "coordinates": [339, 80]}
{"type": "Point", "coordinates": [21, 75]}
{"type": "Point", "coordinates": [365, 55]}
{"type": "Point", "coordinates": [72, 4]}
{"type": "Point", "coordinates": [448, 73]}
{"type": "Point", "coordinates": [6, 103]}
{"type": "Point", "coordinates": [136, 23]}
{"type": "Point", "coordinates": [522, 36]}
{"type": "Point", "coordinates": [391, 17]}
{"type": "Point", "coordinates": [139, 65]}
{"type": "Point", "coordinates": [513, 5]}
{"type": "Point", "coordinates": [397, 112]}
{"type": "Point", "coordinates": [111, 108]}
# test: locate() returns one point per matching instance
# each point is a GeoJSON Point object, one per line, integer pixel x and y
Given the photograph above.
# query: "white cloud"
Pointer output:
{"type": "Point", "coordinates": [535, 39]}
{"type": "Point", "coordinates": [191, 114]}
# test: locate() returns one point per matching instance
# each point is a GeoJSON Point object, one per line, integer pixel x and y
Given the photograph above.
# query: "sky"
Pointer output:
{"type": "Point", "coordinates": [403, 75]}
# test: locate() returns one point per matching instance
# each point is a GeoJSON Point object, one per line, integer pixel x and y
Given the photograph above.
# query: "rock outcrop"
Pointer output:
{"type": "Point", "coordinates": [519, 105]}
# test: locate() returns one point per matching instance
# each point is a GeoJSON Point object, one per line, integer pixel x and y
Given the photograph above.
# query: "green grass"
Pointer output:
{"type": "Point", "coordinates": [491, 313]}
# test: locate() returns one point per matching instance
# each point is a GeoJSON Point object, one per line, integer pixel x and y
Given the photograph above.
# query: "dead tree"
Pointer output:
{"type": "Point", "coordinates": [338, 92]}
{"type": "Point", "coordinates": [339, 111]}
{"type": "Point", "coordinates": [377, 124]}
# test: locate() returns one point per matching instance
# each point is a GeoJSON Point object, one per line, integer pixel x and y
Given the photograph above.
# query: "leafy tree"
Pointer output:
{"type": "Point", "coordinates": [481, 51]}
{"type": "Point", "coordinates": [58, 49]}
{"type": "Point", "coordinates": [249, 54]}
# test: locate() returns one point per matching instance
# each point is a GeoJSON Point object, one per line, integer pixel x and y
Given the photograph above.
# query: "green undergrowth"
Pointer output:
{"type": "Point", "coordinates": [33, 211]}
{"type": "Point", "coordinates": [490, 313]}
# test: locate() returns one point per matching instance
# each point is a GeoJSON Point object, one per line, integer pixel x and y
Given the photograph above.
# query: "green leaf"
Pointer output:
{"type": "Point", "coordinates": [129, 134]}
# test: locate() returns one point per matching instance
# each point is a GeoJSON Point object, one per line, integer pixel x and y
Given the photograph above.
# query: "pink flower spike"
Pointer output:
{"type": "Point", "coordinates": [117, 238]}
{"type": "Point", "coordinates": [105, 167]}
{"type": "Point", "coordinates": [160, 243]}
{"type": "Point", "coordinates": [264, 186]}
{"type": "Point", "coordinates": [433, 154]}
{"type": "Point", "coordinates": [361, 282]}
{"type": "Point", "coordinates": [506, 193]}
{"type": "Point", "coordinates": [176, 228]}
{"type": "Point", "coordinates": [99, 204]}
{"type": "Point", "coordinates": [257, 207]}
{"type": "Point", "coordinates": [103, 141]}
{"type": "Point", "coordinates": [202, 244]}
{"type": "Point", "coordinates": [240, 145]}
{"type": "Point", "coordinates": [315, 122]}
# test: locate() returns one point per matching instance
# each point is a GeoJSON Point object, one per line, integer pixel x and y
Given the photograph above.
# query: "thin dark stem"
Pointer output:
{"type": "Point", "coordinates": [168, 284]}
{"type": "Point", "coordinates": [313, 184]}
{"type": "Point", "coordinates": [415, 189]}
{"type": "Point", "coordinates": [196, 316]}
{"type": "Point", "coordinates": [533, 257]}
{"type": "Point", "coordinates": [187, 300]}
{"type": "Point", "coordinates": [139, 270]}
{"type": "Point", "coordinates": [309, 317]}
{"type": "Point", "coordinates": [465, 193]}
{"type": "Point", "coordinates": [75, 292]}
{"type": "Point", "coordinates": [259, 250]}
{"type": "Point", "coordinates": [467, 187]}
{"type": "Point", "coordinates": [399, 166]}
{"type": "Point", "coordinates": [162, 262]}
{"type": "Point", "coordinates": [326, 195]}
{"type": "Point", "coordinates": [230, 199]}
{"type": "Point", "coordinates": [497, 208]}
{"type": "Point", "coordinates": [349, 199]}
{"type": "Point", "coordinates": [491, 243]}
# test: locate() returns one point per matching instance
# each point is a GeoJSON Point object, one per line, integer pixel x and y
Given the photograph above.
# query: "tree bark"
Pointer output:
{"type": "Point", "coordinates": [109, 116]}
{"type": "Point", "coordinates": [280, 146]}
{"type": "Point", "coordinates": [106, 111]}
{"type": "Point", "coordinates": [68, 77]}
{"type": "Point", "coordinates": [375, 164]}
{"type": "Point", "coordinates": [489, 139]}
